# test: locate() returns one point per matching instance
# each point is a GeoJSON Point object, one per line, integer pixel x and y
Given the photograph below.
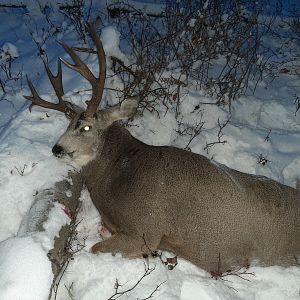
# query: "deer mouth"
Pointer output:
{"type": "Point", "coordinates": [59, 152]}
{"type": "Point", "coordinates": [65, 155]}
{"type": "Point", "coordinates": [71, 154]}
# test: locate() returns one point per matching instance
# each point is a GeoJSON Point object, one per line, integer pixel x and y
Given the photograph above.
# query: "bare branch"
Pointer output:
{"type": "Point", "coordinates": [117, 285]}
{"type": "Point", "coordinates": [220, 135]}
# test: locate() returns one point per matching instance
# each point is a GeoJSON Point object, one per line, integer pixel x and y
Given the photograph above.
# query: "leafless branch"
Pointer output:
{"type": "Point", "coordinates": [147, 271]}
{"type": "Point", "coordinates": [20, 170]}
{"type": "Point", "coordinates": [239, 272]}
{"type": "Point", "coordinates": [297, 102]}
{"type": "Point", "coordinates": [262, 160]}
{"type": "Point", "coordinates": [72, 246]}
{"type": "Point", "coordinates": [220, 135]}
{"type": "Point", "coordinates": [116, 10]}
{"type": "Point", "coordinates": [153, 292]}
{"type": "Point", "coordinates": [69, 290]}
{"type": "Point", "coordinates": [267, 138]}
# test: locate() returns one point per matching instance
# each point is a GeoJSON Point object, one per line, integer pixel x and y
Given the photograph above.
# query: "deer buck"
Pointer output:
{"type": "Point", "coordinates": [164, 198]}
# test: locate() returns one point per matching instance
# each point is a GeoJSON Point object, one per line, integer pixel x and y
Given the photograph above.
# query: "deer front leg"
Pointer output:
{"type": "Point", "coordinates": [129, 247]}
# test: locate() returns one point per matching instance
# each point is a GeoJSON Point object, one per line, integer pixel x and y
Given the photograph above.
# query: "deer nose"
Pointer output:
{"type": "Point", "coordinates": [57, 150]}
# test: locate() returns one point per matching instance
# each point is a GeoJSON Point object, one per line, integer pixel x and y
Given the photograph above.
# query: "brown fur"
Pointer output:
{"type": "Point", "coordinates": [179, 201]}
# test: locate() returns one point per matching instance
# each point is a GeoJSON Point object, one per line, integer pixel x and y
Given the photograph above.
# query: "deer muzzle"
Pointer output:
{"type": "Point", "coordinates": [58, 151]}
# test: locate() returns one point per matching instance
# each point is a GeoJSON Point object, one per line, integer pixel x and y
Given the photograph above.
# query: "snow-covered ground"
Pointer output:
{"type": "Point", "coordinates": [27, 166]}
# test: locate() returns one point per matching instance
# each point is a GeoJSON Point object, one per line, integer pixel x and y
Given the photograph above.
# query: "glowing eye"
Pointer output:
{"type": "Point", "coordinates": [86, 128]}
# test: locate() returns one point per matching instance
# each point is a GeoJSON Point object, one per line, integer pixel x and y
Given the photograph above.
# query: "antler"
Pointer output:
{"type": "Point", "coordinates": [56, 81]}
{"type": "Point", "coordinates": [80, 67]}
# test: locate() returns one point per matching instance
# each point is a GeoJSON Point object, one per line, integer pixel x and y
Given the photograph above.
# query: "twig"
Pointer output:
{"type": "Point", "coordinates": [267, 138]}
{"type": "Point", "coordinates": [69, 291]}
{"type": "Point", "coordinates": [117, 9]}
{"type": "Point", "coordinates": [67, 253]}
{"type": "Point", "coordinates": [117, 285]}
{"type": "Point", "coordinates": [154, 291]}
{"type": "Point", "coordinates": [20, 170]}
{"type": "Point", "coordinates": [262, 160]}
{"type": "Point", "coordinates": [13, 6]}
{"type": "Point", "coordinates": [220, 135]}
{"type": "Point", "coordinates": [218, 274]}
{"type": "Point", "coordinates": [297, 102]}
{"type": "Point", "coordinates": [85, 50]}
{"type": "Point", "coordinates": [24, 6]}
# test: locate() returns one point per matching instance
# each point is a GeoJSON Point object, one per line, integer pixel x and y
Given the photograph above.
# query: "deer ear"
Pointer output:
{"type": "Point", "coordinates": [128, 107]}
{"type": "Point", "coordinates": [123, 111]}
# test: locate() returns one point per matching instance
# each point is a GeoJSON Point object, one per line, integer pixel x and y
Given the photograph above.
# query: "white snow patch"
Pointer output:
{"type": "Point", "coordinates": [26, 272]}
{"type": "Point", "coordinates": [56, 220]}
{"type": "Point", "coordinates": [8, 52]}
{"type": "Point", "coordinates": [110, 37]}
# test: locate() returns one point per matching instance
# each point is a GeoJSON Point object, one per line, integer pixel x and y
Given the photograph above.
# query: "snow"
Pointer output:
{"type": "Point", "coordinates": [8, 52]}
{"type": "Point", "coordinates": [110, 38]}
{"type": "Point", "coordinates": [25, 273]}
{"type": "Point", "coordinates": [27, 166]}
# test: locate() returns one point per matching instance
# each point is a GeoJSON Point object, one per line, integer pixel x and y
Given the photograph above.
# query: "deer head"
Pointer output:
{"type": "Point", "coordinates": [84, 136]}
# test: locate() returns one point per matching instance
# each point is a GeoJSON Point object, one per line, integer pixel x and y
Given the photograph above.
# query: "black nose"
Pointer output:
{"type": "Point", "coordinates": [58, 150]}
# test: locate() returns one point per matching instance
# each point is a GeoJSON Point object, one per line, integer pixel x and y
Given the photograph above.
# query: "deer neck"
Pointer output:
{"type": "Point", "coordinates": [117, 140]}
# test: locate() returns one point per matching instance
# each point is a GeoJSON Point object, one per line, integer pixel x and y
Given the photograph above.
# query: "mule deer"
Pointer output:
{"type": "Point", "coordinates": [166, 198]}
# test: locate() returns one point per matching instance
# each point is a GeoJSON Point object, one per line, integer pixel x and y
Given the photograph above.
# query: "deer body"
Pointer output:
{"type": "Point", "coordinates": [175, 200]}
{"type": "Point", "coordinates": [165, 198]}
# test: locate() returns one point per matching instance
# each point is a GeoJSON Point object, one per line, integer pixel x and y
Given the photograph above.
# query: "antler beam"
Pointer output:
{"type": "Point", "coordinates": [79, 66]}
{"type": "Point", "coordinates": [37, 100]}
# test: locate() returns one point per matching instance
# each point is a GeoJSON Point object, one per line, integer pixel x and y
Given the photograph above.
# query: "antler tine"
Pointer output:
{"type": "Point", "coordinates": [56, 81]}
{"type": "Point", "coordinates": [94, 102]}
{"type": "Point", "coordinates": [81, 68]}
{"type": "Point", "coordinates": [37, 100]}
{"type": "Point", "coordinates": [79, 65]}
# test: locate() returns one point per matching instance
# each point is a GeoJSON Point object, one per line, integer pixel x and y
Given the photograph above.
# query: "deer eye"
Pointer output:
{"type": "Point", "coordinates": [86, 128]}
